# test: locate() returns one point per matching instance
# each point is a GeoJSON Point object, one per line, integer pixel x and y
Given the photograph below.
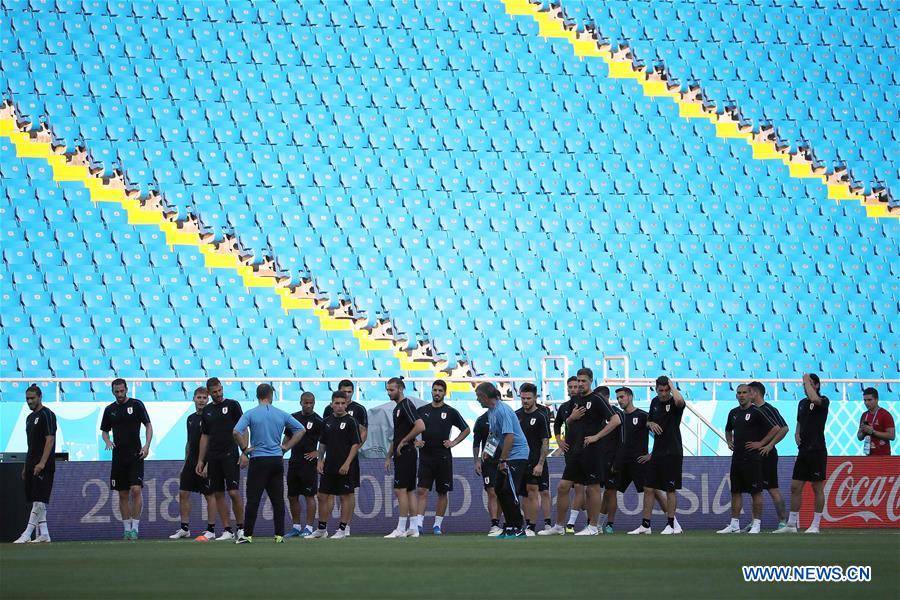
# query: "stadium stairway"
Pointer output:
{"type": "Point", "coordinates": [553, 28]}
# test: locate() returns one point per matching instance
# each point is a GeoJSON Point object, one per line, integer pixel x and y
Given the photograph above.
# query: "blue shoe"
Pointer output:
{"type": "Point", "coordinates": [608, 530]}
{"type": "Point", "coordinates": [437, 530]}
{"type": "Point", "coordinates": [293, 533]}
{"type": "Point", "coordinates": [307, 531]}
{"type": "Point", "coordinates": [518, 533]}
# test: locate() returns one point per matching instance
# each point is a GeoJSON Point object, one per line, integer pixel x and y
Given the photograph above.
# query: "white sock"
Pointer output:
{"type": "Point", "coordinates": [298, 526]}
{"type": "Point", "coordinates": [421, 521]}
{"type": "Point", "coordinates": [126, 523]}
{"type": "Point", "coordinates": [401, 524]}
{"type": "Point", "coordinates": [437, 521]}
{"type": "Point", "coordinates": [755, 524]}
{"type": "Point", "coordinates": [793, 518]}
{"type": "Point", "coordinates": [816, 518]}
{"type": "Point", "coordinates": [602, 520]}
{"type": "Point", "coordinates": [573, 516]}
{"type": "Point", "coordinates": [135, 523]}
{"type": "Point", "coordinates": [33, 519]}
{"type": "Point", "coordinates": [735, 522]}
{"type": "Point", "coordinates": [676, 522]}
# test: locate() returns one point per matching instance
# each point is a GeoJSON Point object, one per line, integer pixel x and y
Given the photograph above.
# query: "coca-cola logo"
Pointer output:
{"type": "Point", "coordinates": [843, 493]}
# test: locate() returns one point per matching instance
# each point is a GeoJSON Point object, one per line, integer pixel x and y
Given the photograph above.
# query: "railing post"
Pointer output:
{"type": "Point", "coordinates": [699, 438]}
{"type": "Point", "coordinates": [58, 391]}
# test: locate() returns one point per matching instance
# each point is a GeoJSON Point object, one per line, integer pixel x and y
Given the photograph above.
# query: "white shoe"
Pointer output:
{"type": "Point", "coordinates": [397, 533]}
{"type": "Point", "coordinates": [668, 531]}
{"type": "Point", "coordinates": [812, 529]}
{"type": "Point", "coordinates": [318, 534]}
{"type": "Point", "coordinates": [753, 530]}
{"type": "Point", "coordinates": [226, 536]}
{"type": "Point", "coordinates": [529, 532]}
{"type": "Point", "coordinates": [730, 528]}
{"type": "Point", "coordinates": [23, 539]}
{"type": "Point", "coordinates": [589, 530]}
{"type": "Point", "coordinates": [46, 538]}
{"type": "Point", "coordinates": [412, 531]}
{"type": "Point", "coordinates": [641, 530]}
{"type": "Point", "coordinates": [555, 530]}
{"type": "Point", "coordinates": [340, 534]}
{"type": "Point", "coordinates": [209, 535]}
{"type": "Point", "coordinates": [787, 529]}
{"type": "Point", "coordinates": [494, 531]}
{"type": "Point", "coordinates": [549, 527]}
{"type": "Point", "coordinates": [678, 528]}
{"type": "Point", "coordinates": [181, 533]}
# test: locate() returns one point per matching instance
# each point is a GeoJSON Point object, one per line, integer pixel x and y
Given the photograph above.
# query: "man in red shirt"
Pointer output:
{"type": "Point", "coordinates": [876, 426]}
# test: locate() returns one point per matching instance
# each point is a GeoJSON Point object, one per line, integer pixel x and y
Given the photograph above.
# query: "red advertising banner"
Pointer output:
{"type": "Point", "coordinates": [860, 492]}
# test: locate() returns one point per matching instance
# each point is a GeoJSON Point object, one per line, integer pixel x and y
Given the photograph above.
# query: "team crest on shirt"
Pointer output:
{"type": "Point", "coordinates": [350, 412]}
{"type": "Point", "coordinates": [533, 420]}
{"type": "Point", "coordinates": [224, 410]}
{"type": "Point", "coordinates": [130, 410]}
{"type": "Point", "coordinates": [343, 424]}
{"type": "Point", "coordinates": [36, 419]}
{"type": "Point", "coordinates": [443, 415]}
{"type": "Point", "coordinates": [309, 425]}
{"type": "Point", "coordinates": [811, 406]}
{"type": "Point", "coordinates": [634, 421]}
{"type": "Point", "coordinates": [588, 406]}
{"type": "Point", "coordinates": [397, 414]}
{"type": "Point", "coordinates": [747, 417]}
{"type": "Point", "coordinates": [668, 406]}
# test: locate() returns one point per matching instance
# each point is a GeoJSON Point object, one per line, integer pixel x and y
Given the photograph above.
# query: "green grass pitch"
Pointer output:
{"type": "Point", "coordinates": [694, 565]}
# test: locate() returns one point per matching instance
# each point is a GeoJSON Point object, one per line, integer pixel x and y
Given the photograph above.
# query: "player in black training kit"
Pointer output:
{"type": "Point", "coordinates": [338, 447]}
{"type": "Point", "coordinates": [580, 503]}
{"type": "Point", "coordinates": [537, 432]}
{"type": "Point", "coordinates": [359, 414]}
{"type": "Point", "coordinates": [189, 481]}
{"type": "Point", "coordinates": [610, 445]}
{"type": "Point", "coordinates": [746, 431]}
{"type": "Point", "coordinates": [40, 465]}
{"type": "Point", "coordinates": [124, 418]}
{"type": "Point", "coordinates": [435, 457]}
{"type": "Point", "coordinates": [757, 393]}
{"type": "Point", "coordinates": [402, 455]}
{"type": "Point", "coordinates": [812, 454]}
{"type": "Point", "coordinates": [487, 470]}
{"type": "Point", "coordinates": [664, 468]}
{"type": "Point", "coordinates": [302, 478]}
{"type": "Point", "coordinates": [219, 458]}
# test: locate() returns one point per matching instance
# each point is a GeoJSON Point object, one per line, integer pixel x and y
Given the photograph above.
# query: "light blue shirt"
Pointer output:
{"type": "Point", "coordinates": [267, 424]}
{"type": "Point", "coordinates": [503, 420]}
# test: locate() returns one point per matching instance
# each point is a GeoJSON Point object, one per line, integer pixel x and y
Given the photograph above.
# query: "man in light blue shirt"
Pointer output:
{"type": "Point", "coordinates": [265, 453]}
{"type": "Point", "coordinates": [509, 447]}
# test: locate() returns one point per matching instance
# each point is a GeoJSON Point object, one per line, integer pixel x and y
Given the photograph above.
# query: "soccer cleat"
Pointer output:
{"type": "Point", "coordinates": [678, 528]}
{"type": "Point", "coordinates": [45, 539]}
{"type": "Point", "coordinates": [730, 528]}
{"type": "Point", "coordinates": [437, 530]}
{"type": "Point", "coordinates": [555, 530]}
{"type": "Point", "coordinates": [589, 530]}
{"type": "Point", "coordinates": [547, 527]}
{"type": "Point", "coordinates": [608, 529]}
{"type": "Point", "coordinates": [180, 534]}
{"type": "Point", "coordinates": [307, 531]}
{"type": "Point", "coordinates": [786, 529]}
{"type": "Point", "coordinates": [495, 531]}
{"type": "Point", "coordinates": [747, 528]}
{"type": "Point", "coordinates": [753, 530]}
{"type": "Point", "coordinates": [126, 536]}
{"type": "Point", "coordinates": [519, 533]}
{"type": "Point", "coordinates": [412, 532]}
{"type": "Point", "coordinates": [570, 529]}
{"type": "Point", "coordinates": [244, 539]}
{"type": "Point", "coordinates": [23, 539]}
{"type": "Point", "coordinates": [669, 530]}
{"type": "Point", "coordinates": [397, 533]}
{"type": "Point", "coordinates": [226, 536]}
{"type": "Point", "coordinates": [812, 529]}
{"type": "Point", "coordinates": [294, 532]}
{"type": "Point", "coordinates": [507, 532]}
{"type": "Point", "coordinates": [341, 534]}
{"type": "Point", "coordinates": [318, 534]}
{"type": "Point", "coordinates": [279, 539]}
{"type": "Point", "coordinates": [641, 530]}
{"type": "Point", "coordinates": [530, 533]}
{"type": "Point", "coordinates": [781, 525]}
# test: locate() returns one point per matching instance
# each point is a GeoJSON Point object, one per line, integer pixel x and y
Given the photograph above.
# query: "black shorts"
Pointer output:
{"type": "Point", "coordinates": [810, 465]}
{"type": "Point", "coordinates": [126, 472]}
{"type": "Point", "coordinates": [542, 482]}
{"type": "Point", "coordinates": [664, 473]}
{"type": "Point", "coordinates": [436, 471]}
{"type": "Point", "coordinates": [586, 467]}
{"type": "Point", "coordinates": [302, 479]}
{"type": "Point", "coordinates": [770, 470]}
{"type": "Point", "coordinates": [223, 473]}
{"type": "Point", "coordinates": [609, 471]}
{"type": "Point", "coordinates": [354, 473]}
{"type": "Point", "coordinates": [189, 481]}
{"type": "Point", "coordinates": [38, 489]}
{"type": "Point", "coordinates": [630, 471]}
{"type": "Point", "coordinates": [746, 476]}
{"type": "Point", "coordinates": [335, 484]}
{"type": "Point", "coordinates": [405, 469]}
{"type": "Point", "coordinates": [489, 473]}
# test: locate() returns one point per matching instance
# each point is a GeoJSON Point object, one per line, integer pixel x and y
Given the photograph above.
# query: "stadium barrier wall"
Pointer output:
{"type": "Point", "coordinates": [84, 508]}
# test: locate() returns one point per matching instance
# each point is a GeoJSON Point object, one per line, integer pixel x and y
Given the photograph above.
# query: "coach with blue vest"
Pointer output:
{"type": "Point", "coordinates": [509, 447]}
{"type": "Point", "coordinates": [266, 457]}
